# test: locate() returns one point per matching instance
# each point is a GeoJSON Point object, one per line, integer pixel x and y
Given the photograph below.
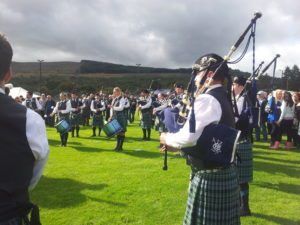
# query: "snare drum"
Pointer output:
{"type": "Point", "coordinates": [112, 128]}
{"type": "Point", "coordinates": [62, 126]}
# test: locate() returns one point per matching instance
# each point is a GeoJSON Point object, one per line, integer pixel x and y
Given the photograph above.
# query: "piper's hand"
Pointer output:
{"type": "Point", "coordinates": [168, 148]}
{"type": "Point", "coordinates": [163, 148]}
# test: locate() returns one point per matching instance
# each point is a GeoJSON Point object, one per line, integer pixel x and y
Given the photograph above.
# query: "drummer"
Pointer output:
{"type": "Point", "coordinates": [63, 108]}
{"type": "Point", "coordinates": [117, 112]}
{"type": "Point", "coordinates": [97, 108]}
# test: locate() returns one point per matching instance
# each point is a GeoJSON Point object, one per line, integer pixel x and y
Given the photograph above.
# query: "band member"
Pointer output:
{"type": "Point", "coordinates": [32, 103]}
{"type": "Point", "coordinates": [63, 109]}
{"type": "Point", "coordinates": [162, 104]}
{"type": "Point", "coordinates": [145, 108]}
{"type": "Point", "coordinates": [126, 107]}
{"type": "Point", "coordinates": [76, 107]}
{"type": "Point", "coordinates": [97, 108]}
{"type": "Point", "coordinates": [117, 112]}
{"type": "Point", "coordinates": [49, 106]}
{"type": "Point", "coordinates": [42, 102]}
{"type": "Point", "coordinates": [108, 102]}
{"type": "Point", "coordinates": [86, 110]}
{"type": "Point", "coordinates": [214, 192]}
{"type": "Point", "coordinates": [263, 116]}
{"type": "Point", "coordinates": [179, 92]}
{"type": "Point", "coordinates": [23, 150]}
{"type": "Point", "coordinates": [132, 108]}
{"type": "Point", "coordinates": [244, 147]}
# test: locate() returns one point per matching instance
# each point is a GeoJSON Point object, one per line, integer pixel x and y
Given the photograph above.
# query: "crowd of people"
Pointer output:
{"type": "Point", "coordinates": [278, 112]}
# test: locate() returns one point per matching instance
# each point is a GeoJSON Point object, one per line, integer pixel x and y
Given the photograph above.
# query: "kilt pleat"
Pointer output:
{"type": "Point", "coordinates": [98, 121]}
{"type": "Point", "coordinates": [213, 199]}
{"type": "Point", "coordinates": [146, 120]}
{"type": "Point", "coordinates": [120, 117]}
{"type": "Point", "coordinates": [245, 164]}
{"type": "Point", "coordinates": [75, 119]}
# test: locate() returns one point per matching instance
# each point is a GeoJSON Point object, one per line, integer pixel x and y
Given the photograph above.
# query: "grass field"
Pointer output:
{"type": "Point", "coordinates": [87, 183]}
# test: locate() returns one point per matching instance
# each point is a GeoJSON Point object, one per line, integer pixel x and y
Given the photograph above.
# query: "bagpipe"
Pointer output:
{"type": "Point", "coordinates": [217, 143]}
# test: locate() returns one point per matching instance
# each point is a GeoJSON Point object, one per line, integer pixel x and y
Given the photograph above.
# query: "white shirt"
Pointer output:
{"type": "Point", "coordinates": [93, 108]}
{"type": "Point", "coordinates": [148, 104]}
{"type": "Point", "coordinates": [67, 110]}
{"type": "Point", "coordinates": [127, 104]}
{"type": "Point", "coordinates": [239, 103]}
{"type": "Point", "coordinates": [38, 143]}
{"type": "Point", "coordinates": [207, 110]}
{"type": "Point", "coordinates": [117, 108]}
{"type": "Point", "coordinates": [287, 112]}
{"type": "Point", "coordinates": [38, 105]}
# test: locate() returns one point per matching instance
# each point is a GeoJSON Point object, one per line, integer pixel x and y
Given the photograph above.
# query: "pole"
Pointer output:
{"type": "Point", "coordinates": [40, 80]}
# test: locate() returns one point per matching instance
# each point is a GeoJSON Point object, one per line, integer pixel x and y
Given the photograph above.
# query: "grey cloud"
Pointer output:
{"type": "Point", "coordinates": [153, 32]}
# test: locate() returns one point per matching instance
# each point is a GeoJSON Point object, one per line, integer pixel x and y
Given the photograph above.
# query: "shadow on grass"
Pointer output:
{"type": "Point", "coordinates": [269, 152]}
{"type": "Point", "coordinates": [277, 160]}
{"type": "Point", "coordinates": [288, 188]}
{"type": "Point", "coordinates": [91, 149]}
{"type": "Point", "coordinates": [135, 153]}
{"type": "Point", "coordinates": [274, 168]}
{"type": "Point", "coordinates": [142, 153]}
{"type": "Point", "coordinates": [280, 151]}
{"type": "Point", "coordinates": [54, 142]}
{"type": "Point", "coordinates": [140, 139]}
{"type": "Point", "coordinates": [276, 219]}
{"type": "Point", "coordinates": [55, 193]}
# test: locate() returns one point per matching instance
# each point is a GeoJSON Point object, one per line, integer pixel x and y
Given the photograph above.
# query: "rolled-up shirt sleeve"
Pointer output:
{"type": "Point", "coordinates": [38, 142]}
{"type": "Point", "coordinates": [207, 110]}
{"type": "Point", "coordinates": [148, 104]}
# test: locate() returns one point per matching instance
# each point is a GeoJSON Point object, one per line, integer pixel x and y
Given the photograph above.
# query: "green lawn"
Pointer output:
{"type": "Point", "coordinates": [87, 183]}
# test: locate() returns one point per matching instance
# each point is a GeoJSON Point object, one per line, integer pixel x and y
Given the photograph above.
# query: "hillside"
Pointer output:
{"type": "Point", "coordinates": [90, 76]}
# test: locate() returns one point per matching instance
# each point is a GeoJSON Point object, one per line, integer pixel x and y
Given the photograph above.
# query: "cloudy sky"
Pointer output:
{"type": "Point", "coordinates": [161, 33]}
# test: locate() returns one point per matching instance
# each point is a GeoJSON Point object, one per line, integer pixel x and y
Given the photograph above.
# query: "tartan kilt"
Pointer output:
{"type": "Point", "coordinates": [75, 119]}
{"type": "Point", "coordinates": [65, 117]}
{"type": "Point", "coordinates": [120, 117]}
{"type": "Point", "coordinates": [213, 198]}
{"type": "Point", "coordinates": [245, 164]}
{"type": "Point", "coordinates": [98, 121]}
{"type": "Point", "coordinates": [146, 120]}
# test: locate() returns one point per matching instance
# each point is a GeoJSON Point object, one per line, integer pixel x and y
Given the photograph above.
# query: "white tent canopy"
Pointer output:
{"type": "Point", "coordinates": [17, 91]}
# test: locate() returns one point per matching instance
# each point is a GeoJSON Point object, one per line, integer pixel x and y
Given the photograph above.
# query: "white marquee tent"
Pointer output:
{"type": "Point", "coordinates": [17, 91]}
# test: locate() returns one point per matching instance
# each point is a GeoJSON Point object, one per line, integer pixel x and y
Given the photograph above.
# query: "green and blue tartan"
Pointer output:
{"type": "Point", "coordinates": [98, 121]}
{"type": "Point", "coordinates": [75, 119]}
{"type": "Point", "coordinates": [146, 120]}
{"type": "Point", "coordinates": [213, 198]}
{"type": "Point", "coordinates": [245, 163]}
{"type": "Point", "coordinates": [65, 117]}
{"type": "Point", "coordinates": [120, 117]}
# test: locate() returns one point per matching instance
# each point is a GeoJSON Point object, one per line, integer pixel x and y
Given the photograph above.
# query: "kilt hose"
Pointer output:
{"type": "Point", "coordinates": [98, 121]}
{"type": "Point", "coordinates": [146, 120]}
{"type": "Point", "coordinates": [75, 119]}
{"type": "Point", "coordinates": [245, 163]}
{"type": "Point", "coordinates": [213, 198]}
{"type": "Point", "coordinates": [120, 117]}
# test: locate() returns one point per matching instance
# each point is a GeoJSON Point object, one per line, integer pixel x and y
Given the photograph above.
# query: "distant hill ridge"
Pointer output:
{"type": "Point", "coordinates": [90, 66]}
